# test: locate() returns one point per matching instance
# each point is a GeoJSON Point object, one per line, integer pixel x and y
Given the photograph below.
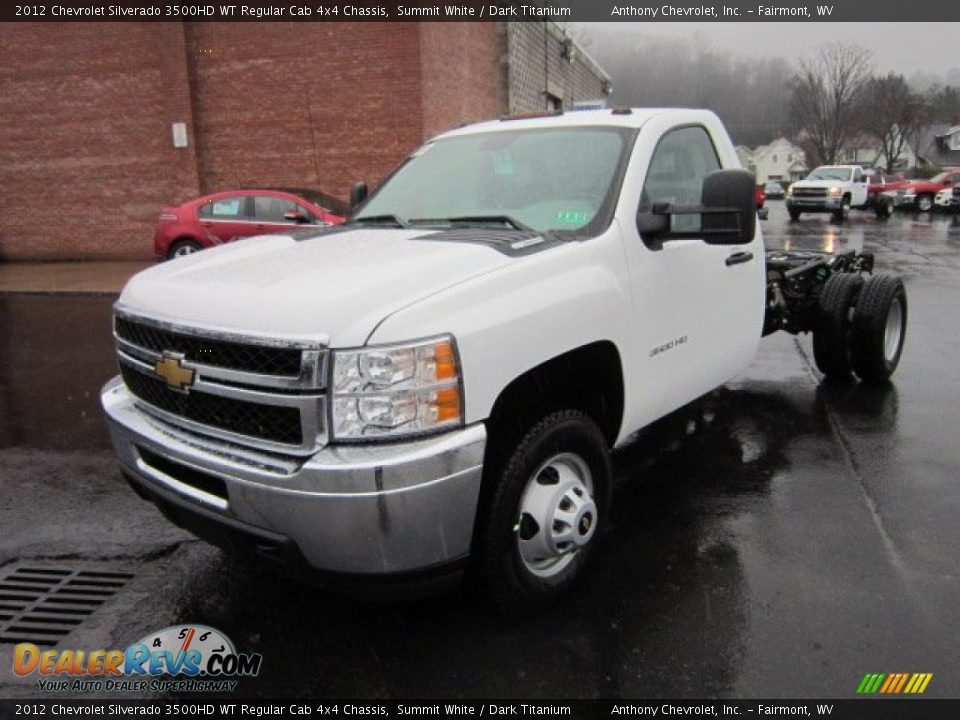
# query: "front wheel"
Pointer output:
{"type": "Point", "coordinates": [883, 210]}
{"type": "Point", "coordinates": [879, 328]}
{"type": "Point", "coordinates": [540, 523]}
{"type": "Point", "coordinates": [925, 203]}
{"type": "Point", "coordinates": [794, 215]}
{"type": "Point", "coordinates": [840, 214]}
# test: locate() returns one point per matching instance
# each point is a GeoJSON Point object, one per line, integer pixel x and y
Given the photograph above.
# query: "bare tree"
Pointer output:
{"type": "Point", "coordinates": [826, 92]}
{"type": "Point", "coordinates": [892, 114]}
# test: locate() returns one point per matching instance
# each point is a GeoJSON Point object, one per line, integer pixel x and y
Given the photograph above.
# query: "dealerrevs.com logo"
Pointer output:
{"type": "Point", "coordinates": [180, 658]}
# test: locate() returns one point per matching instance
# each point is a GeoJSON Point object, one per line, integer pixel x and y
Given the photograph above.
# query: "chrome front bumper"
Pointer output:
{"type": "Point", "coordinates": [352, 509]}
{"type": "Point", "coordinates": [814, 204]}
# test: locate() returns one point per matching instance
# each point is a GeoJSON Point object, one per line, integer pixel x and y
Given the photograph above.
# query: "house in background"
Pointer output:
{"type": "Point", "coordinates": [940, 145]}
{"type": "Point", "coordinates": [780, 160]}
{"type": "Point", "coordinates": [867, 150]}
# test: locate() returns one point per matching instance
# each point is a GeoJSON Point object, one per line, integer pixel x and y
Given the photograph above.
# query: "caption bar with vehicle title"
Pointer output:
{"type": "Point", "coordinates": [523, 10]}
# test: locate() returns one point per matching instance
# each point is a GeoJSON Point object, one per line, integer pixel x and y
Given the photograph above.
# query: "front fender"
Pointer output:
{"type": "Point", "coordinates": [518, 317]}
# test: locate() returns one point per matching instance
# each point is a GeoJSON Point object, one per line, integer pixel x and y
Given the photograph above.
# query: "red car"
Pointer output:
{"type": "Point", "coordinates": [227, 216]}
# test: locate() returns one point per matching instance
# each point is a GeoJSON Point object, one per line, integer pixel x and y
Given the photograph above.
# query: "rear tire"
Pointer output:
{"type": "Point", "coordinates": [183, 247]}
{"type": "Point", "coordinates": [879, 328]}
{"type": "Point", "coordinates": [831, 332]}
{"type": "Point", "coordinates": [540, 522]}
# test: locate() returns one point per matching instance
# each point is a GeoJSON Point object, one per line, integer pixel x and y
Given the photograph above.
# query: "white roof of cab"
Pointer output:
{"type": "Point", "coordinates": [576, 118]}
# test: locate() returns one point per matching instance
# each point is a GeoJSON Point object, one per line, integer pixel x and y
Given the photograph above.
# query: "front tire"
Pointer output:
{"type": "Point", "coordinates": [841, 213]}
{"type": "Point", "coordinates": [540, 522]}
{"type": "Point", "coordinates": [832, 323]}
{"type": "Point", "coordinates": [925, 203]}
{"type": "Point", "coordinates": [879, 328]}
{"type": "Point", "coordinates": [883, 210]}
{"type": "Point", "coordinates": [794, 215]}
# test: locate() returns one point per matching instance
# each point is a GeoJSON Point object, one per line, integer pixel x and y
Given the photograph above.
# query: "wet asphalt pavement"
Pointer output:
{"type": "Point", "coordinates": [783, 540]}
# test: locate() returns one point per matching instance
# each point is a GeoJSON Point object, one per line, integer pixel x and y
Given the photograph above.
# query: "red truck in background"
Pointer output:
{"type": "Point", "coordinates": [919, 194]}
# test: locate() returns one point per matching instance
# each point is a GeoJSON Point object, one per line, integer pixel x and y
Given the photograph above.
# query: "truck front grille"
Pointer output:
{"type": "Point", "coordinates": [267, 422]}
{"type": "Point", "coordinates": [809, 192]}
{"type": "Point", "coordinates": [245, 357]}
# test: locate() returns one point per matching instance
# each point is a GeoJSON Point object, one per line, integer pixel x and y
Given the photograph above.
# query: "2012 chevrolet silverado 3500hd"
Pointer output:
{"type": "Point", "coordinates": [438, 383]}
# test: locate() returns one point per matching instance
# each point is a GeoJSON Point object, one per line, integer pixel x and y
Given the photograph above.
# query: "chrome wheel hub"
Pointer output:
{"type": "Point", "coordinates": [893, 330]}
{"type": "Point", "coordinates": [184, 250]}
{"type": "Point", "coordinates": [558, 515]}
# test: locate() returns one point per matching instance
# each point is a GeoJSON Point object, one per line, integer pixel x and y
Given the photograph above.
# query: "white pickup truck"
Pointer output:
{"type": "Point", "coordinates": [836, 189]}
{"type": "Point", "coordinates": [437, 385]}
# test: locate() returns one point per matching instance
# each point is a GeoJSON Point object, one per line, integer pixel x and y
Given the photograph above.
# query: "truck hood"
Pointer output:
{"type": "Point", "coordinates": [332, 288]}
{"type": "Point", "coordinates": [818, 183]}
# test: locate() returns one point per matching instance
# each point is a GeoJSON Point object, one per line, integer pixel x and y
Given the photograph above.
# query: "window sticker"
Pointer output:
{"type": "Point", "coordinates": [226, 207]}
{"type": "Point", "coordinates": [573, 217]}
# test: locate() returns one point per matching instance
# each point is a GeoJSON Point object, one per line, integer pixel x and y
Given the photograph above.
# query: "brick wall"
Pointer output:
{"type": "Point", "coordinates": [86, 153]}
{"type": "Point", "coordinates": [86, 158]}
{"type": "Point", "coordinates": [459, 70]}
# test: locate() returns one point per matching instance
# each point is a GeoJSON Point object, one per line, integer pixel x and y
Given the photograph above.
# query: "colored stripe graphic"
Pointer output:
{"type": "Point", "coordinates": [894, 683]}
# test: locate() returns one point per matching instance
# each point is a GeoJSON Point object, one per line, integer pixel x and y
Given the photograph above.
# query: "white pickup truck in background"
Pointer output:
{"type": "Point", "coordinates": [835, 189]}
{"type": "Point", "coordinates": [437, 385]}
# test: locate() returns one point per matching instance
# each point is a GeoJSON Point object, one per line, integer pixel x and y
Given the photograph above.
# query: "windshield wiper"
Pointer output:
{"type": "Point", "coordinates": [475, 220]}
{"type": "Point", "coordinates": [394, 220]}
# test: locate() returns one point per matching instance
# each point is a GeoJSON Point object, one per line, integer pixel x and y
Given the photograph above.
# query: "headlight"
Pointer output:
{"type": "Point", "coordinates": [836, 191]}
{"type": "Point", "coordinates": [396, 390]}
{"type": "Point", "coordinates": [789, 192]}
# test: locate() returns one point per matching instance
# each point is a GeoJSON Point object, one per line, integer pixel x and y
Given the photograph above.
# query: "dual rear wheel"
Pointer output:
{"type": "Point", "coordinates": [860, 326]}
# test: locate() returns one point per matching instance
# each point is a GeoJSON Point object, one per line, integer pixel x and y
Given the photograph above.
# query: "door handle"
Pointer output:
{"type": "Point", "coordinates": [739, 257]}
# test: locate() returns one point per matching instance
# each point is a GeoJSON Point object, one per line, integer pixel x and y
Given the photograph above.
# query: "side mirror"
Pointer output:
{"type": "Point", "coordinates": [358, 193]}
{"type": "Point", "coordinates": [295, 216]}
{"type": "Point", "coordinates": [730, 215]}
{"type": "Point", "coordinates": [727, 210]}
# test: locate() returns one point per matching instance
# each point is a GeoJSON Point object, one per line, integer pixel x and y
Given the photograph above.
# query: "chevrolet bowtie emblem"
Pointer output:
{"type": "Point", "coordinates": [171, 369]}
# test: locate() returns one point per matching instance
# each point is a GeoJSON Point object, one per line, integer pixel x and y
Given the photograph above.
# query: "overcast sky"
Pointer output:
{"type": "Point", "coordinates": [902, 47]}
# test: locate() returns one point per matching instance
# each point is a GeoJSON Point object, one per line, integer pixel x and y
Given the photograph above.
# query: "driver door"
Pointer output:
{"type": "Point", "coordinates": [713, 289]}
{"type": "Point", "coordinates": [858, 195]}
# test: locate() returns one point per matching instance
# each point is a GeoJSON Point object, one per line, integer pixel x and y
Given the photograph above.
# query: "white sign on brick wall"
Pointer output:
{"type": "Point", "coordinates": [179, 135]}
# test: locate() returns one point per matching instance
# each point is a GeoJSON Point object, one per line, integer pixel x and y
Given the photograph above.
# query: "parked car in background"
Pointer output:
{"type": "Point", "coordinates": [773, 191]}
{"type": "Point", "coordinates": [233, 214]}
{"type": "Point", "coordinates": [920, 194]}
{"type": "Point", "coordinates": [760, 197]}
{"type": "Point", "coordinates": [948, 198]}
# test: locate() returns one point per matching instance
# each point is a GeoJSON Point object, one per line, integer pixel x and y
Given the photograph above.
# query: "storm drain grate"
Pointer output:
{"type": "Point", "coordinates": [40, 605]}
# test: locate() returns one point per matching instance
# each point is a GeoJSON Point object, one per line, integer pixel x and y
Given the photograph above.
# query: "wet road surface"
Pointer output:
{"type": "Point", "coordinates": [781, 540]}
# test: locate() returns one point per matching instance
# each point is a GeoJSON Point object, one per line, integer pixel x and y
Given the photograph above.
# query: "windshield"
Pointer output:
{"type": "Point", "coordinates": [939, 179]}
{"type": "Point", "coordinates": [542, 180]}
{"type": "Point", "coordinates": [830, 173]}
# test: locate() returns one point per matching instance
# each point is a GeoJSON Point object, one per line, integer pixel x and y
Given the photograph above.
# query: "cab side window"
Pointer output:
{"type": "Point", "coordinates": [683, 158]}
